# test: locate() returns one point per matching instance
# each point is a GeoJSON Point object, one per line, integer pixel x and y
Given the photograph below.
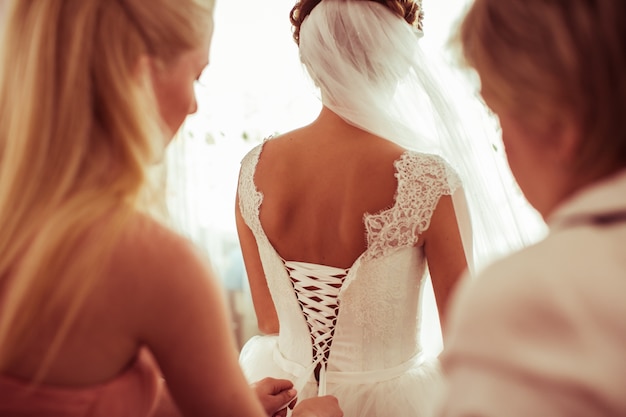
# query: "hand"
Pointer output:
{"type": "Point", "coordinates": [274, 395]}
{"type": "Point", "coordinates": [326, 406]}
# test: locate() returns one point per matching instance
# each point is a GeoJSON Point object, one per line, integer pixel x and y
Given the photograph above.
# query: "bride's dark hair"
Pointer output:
{"type": "Point", "coordinates": [409, 10]}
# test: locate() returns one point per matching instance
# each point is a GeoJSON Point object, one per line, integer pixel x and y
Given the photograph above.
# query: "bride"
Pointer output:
{"type": "Point", "coordinates": [343, 221]}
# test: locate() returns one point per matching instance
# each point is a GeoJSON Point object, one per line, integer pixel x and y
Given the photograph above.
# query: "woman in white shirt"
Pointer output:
{"type": "Point", "coordinates": [543, 332]}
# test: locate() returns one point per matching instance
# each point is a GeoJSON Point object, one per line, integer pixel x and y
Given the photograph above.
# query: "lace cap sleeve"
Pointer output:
{"type": "Point", "coordinates": [250, 198]}
{"type": "Point", "coordinates": [425, 175]}
{"type": "Point", "coordinates": [422, 180]}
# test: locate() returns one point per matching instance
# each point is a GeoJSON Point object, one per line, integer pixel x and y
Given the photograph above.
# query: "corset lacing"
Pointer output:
{"type": "Point", "coordinates": [317, 288]}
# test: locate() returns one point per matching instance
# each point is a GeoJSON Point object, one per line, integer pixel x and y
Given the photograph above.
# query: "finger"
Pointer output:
{"type": "Point", "coordinates": [281, 413]}
{"type": "Point", "coordinates": [279, 385]}
{"type": "Point", "coordinates": [284, 398]}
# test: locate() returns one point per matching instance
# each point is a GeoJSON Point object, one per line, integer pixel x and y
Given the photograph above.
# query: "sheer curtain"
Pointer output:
{"type": "Point", "coordinates": [255, 87]}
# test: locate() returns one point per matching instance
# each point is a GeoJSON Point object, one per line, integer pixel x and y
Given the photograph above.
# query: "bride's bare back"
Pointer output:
{"type": "Point", "coordinates": [317, 183]}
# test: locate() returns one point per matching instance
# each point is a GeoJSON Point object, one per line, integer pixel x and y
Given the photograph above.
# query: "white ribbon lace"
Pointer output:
{"type": "Point", "coordinates": [317, 289]}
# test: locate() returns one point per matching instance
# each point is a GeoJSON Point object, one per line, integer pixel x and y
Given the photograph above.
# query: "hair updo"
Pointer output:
{"type": "Point", "coordinates": [409, 10]}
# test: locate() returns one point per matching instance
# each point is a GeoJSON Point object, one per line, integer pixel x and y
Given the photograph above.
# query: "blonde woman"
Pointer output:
{"type": "Point", "coordinates": [543, 332]}
{"type": "Point", "coordinates": [97, 299]}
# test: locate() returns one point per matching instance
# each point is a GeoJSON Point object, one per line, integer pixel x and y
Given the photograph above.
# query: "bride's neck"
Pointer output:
{"type": "Point", "coordinates": [327, 116]}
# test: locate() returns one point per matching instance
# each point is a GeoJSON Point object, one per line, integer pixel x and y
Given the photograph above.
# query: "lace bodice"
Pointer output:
{"type": "Point", "coordinates": [376, 323]}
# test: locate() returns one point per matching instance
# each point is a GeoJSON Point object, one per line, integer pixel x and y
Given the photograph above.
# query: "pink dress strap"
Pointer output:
{"type": "Point", "coordinates": [134, 393]}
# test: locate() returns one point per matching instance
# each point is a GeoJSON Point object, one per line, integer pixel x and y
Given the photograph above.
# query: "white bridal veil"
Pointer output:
{"type": "Point", "coordinates": [371, 71]}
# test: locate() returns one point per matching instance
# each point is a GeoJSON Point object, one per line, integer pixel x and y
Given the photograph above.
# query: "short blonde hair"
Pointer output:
{"type": "Point", "coordinates": [79, 128]}
{"type": "Point", "coordinates": [556, 60]}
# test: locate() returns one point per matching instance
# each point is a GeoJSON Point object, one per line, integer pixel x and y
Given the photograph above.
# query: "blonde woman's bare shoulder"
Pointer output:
{"type": "Point", "coordinates": [152, 274]}
{"type": "Point", "coordinates": [146, 238]}
{"type": "Point", "coordinates": [152, 261]}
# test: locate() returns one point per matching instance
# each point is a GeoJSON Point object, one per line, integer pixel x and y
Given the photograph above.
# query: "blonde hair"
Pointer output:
{"type": "Point", "coordinates": [558, 60]}
{"type": "Point", "coordinates": [79, 128]}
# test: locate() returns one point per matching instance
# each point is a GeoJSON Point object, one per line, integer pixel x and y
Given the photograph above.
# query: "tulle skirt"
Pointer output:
{"type": "Point", "coordinates": [412, 393]}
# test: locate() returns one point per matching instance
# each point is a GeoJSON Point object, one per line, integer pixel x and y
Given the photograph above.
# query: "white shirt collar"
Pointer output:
{"type": "Point", "coordinates": [603, 197]}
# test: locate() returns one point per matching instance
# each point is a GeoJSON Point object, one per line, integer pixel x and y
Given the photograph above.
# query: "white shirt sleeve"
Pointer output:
{"type": "Point", "coordinates": [534, 337]}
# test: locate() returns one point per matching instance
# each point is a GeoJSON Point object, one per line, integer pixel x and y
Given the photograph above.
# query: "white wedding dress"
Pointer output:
{"type": "Point", "coordinates": [357, 335]}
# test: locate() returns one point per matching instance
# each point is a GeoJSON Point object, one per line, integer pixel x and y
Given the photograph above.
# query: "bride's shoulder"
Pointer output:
{"type": "Point", "coordinates": [253, 154]}
{"type": "Point", "coordinates": [414, 160]}
{"type": "Point", "coordinates": [424, 157]}
{"type": "Point", "coordinates": [415, 165]}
